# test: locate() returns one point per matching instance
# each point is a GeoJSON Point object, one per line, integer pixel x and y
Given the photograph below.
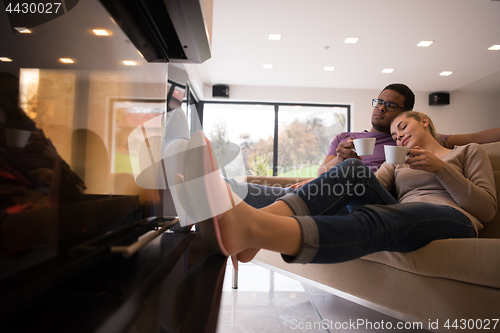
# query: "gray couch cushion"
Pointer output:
{"type": "Point", "coordinates": [469, 260]}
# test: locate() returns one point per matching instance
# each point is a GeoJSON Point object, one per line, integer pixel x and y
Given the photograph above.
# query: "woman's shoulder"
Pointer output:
{"type": "Point", "coordinates": [471, 150]}
{"type": "Point", "coordinates": [469, 147]}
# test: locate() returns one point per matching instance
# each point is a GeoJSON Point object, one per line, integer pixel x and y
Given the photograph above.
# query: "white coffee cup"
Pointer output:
{"type": "Point", "coordinates": [364, 147]}
{"type": "Point", "coordinates": [16, 137]}
{"type": "Point", "coordinates": [395, 154]}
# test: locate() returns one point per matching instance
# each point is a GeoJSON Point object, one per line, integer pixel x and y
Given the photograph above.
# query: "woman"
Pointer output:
{"type": "Point", "coordinates": [39, 155]}
{"type": "Point", "coordinates": [434, 189]}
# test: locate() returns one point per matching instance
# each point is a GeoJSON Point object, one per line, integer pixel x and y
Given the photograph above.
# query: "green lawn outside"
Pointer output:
{"type": "Point", "coordinates": [310, 171]}
{"type": "Point", "coordinates": [122, 163]}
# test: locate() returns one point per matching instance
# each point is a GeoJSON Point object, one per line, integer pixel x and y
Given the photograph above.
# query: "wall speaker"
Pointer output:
{"type": "Point", "coordinates": [220, 91]}
{"type": "Point", "coordinates": [439, 99]}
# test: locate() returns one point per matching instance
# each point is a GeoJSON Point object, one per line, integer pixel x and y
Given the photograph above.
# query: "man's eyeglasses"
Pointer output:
{"type": "Point", "coordinates": [389, 106]}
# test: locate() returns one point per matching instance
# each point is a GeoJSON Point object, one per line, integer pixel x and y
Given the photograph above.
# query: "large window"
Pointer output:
{"type": "Point", "coordinates": [304, 137]}
{"type": "Point", "coordinates": [277, 139]}
{"type": "Point", "coordinates": [249, 126]}
{"type": "Point", "coordinates": [126, 114]}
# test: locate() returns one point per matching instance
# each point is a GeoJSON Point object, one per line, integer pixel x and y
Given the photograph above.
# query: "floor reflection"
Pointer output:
{"type": "Point", "coordinates": [266, 301]}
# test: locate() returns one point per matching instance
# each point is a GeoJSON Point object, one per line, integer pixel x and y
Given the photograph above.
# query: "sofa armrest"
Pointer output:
{"type": "Point", "coordinates": [273, 181]}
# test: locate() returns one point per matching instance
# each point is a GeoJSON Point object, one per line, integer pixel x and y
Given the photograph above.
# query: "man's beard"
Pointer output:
{"type": "Point", "coordinates": [381, 128]}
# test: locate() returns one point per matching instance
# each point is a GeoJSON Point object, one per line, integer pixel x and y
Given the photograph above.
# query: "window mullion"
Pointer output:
{"type": "Point", "coordinates": [275, 142]}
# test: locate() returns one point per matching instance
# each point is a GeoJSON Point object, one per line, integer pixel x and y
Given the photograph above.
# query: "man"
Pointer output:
{"type": "Point", "coordinates": [394, 99]}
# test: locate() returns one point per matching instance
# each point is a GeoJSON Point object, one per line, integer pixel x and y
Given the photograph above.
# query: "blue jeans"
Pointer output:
{"type": "Point", "coordinates": [258, 196]}
{"type": "Point", "coordinates": [377, 222]}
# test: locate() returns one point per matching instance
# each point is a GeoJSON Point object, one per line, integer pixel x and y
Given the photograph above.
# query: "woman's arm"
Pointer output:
{"type": "Point", "coordinates": [386, 175]}
{"type": "Point", "coordinates": [474, 190]}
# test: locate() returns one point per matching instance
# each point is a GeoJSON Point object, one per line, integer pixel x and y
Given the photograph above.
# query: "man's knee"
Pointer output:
{"type": "Point", "coordinates": [354, 163]}
{"type": "Point", "coordinates": [351, 168]}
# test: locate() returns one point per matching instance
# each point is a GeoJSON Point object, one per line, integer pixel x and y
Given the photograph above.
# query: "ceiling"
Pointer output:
{"type": "Point", "coordinates": [313, 35]}
{"type": "Point", "coordinates": [71, 36]}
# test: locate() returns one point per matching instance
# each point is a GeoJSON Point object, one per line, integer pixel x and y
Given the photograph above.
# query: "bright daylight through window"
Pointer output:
{"type": "Point", "coordinates": [304, 134]}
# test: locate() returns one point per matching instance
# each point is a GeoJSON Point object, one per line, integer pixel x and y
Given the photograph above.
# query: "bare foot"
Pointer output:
{"type": "Point", "coordinates": [247, 255]}
{"type": "Point", "coordinates": [237, 231]}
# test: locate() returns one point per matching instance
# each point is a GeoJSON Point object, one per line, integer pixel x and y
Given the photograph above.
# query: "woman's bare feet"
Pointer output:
{"type": "Point", "coordinates": [242, 230]}
{"type": "Point", "coordinates": [237, 231]}
{"type": "Point", "coordinates": [247, 255]}
{"type": "Point", "coordinates": [245, 230]}
{"type": "Point", "coordinates": [277, 208]}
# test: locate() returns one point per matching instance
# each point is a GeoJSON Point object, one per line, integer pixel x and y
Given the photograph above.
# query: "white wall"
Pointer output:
{"type": "Point", "coordinates": [473, 108]}
{"type": "Point", "coordinates": [468, 111]}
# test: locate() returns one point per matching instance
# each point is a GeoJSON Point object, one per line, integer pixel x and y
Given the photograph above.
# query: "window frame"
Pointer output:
{"type": "Point", "coordinates": [276, 112]}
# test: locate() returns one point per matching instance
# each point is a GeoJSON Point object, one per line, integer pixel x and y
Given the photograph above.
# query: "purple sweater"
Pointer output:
{"type": "Point", "coordinates": [374, 161]}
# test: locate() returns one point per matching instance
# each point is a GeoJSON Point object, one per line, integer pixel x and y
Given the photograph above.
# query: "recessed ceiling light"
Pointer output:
{"type": "Point", "coordinates": [5, 59]}
{"type": "Point", "coordinates": [100, 32]}
{"type": "Point", "coordinates": [23, 30]}
{"type": "Point", "coordinates": [268, 66]}
{"type": "Point", "coordinates": [129, 63]}
{"type": "Point", "coordinates": [329, 69]}
{"type": "Point", "coordinates": [494, 48]}
{"type": "Point", "coordinates": [446, 73]}
{"type": "Point", "coordinates": [66, 60]}
{"type": "Point", "coordinates": [351, 40]}
{"type": "Point", "coordinates": [387, 70]}
{"type": "Point", "coordinates": [425, 43]}
{"type": "Point", "coordinates": [274, 37]}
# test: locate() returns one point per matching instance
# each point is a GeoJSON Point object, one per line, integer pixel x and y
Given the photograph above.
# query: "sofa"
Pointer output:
{"type": "Point", "coordinates": [452, 282]}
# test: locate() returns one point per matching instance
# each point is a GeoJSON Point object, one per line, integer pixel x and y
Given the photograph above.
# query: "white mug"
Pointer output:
{"type": "Point", "coordinates": [16, 137]}
{"type": "Point", "coordinates": [395, 154]}
{"type": "Point", "coordinates": [364, 147]}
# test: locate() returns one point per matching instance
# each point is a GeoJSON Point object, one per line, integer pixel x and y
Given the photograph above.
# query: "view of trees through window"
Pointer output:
{"type": "Point", "coordinates": [304, 137]}
{"type": "Point", "coordinates": [304, 134]}
{"type": "Point", "coordinates": [126, 116]}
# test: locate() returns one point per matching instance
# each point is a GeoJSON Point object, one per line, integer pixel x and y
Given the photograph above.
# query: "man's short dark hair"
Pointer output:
{"type": "Point", "coordinates": [407, 93]}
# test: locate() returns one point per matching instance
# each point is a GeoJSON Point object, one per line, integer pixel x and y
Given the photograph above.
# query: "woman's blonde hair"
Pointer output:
{"type": "Point", "coordinates": [418, 116]}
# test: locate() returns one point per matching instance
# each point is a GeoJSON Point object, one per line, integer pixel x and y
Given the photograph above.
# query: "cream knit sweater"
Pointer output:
{"type": "Point", "coordinates": [466, 183]}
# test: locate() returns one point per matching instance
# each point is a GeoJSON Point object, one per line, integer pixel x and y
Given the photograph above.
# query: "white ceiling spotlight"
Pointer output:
{"type": "Point", "coordinates": [388, 70]}
{"type": "Point", "coordinates": [100, 32]}
{"type": "Point", "coordinates": [329, 69]}
{"type": "Point", "coordinates": [5, 59]}
{"type": "Point", "coordinates": [129, 63]}
{"type": "Point", "coordinates": [274, 37]}
{"type": "Point", "coordinates": [425, 43]}
{"type": "Point", "coordinates": [494, 48]}
{"type": "Point", "coordinates": [23, 30]}
{"type": "Point", "coordinates": [351, 40]}
{"type": "Point", "coordinates": [66, 60]}
{"type": "Point", "coordinates": [446, 73]}
{"type": "Point", "coordinates": [267, 66]}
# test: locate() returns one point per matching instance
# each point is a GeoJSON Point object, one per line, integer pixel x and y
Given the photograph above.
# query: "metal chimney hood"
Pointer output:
{"type": "Point", "coordinates": [163, 30]}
